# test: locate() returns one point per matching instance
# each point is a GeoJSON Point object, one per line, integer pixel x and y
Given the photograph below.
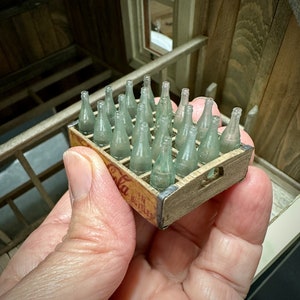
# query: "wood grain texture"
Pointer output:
{"type": "Point", "coordinates": [220, 27]}
{"type": "Point", "coordinates": [251, 33]}
{"type": "Point", "coordinates": [277, 136]}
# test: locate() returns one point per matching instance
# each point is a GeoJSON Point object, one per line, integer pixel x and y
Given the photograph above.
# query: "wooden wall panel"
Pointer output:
{"type": "Point", "coordinates": [277, 134]}
{"type": "Point", "coordinates": [97, 27]}
{"type": "Point", "coordinates": [221, 21]}
{"type": "Point", "coordinates": [28, 36]}
{"type": "Point", "coordinates": [251, 33]}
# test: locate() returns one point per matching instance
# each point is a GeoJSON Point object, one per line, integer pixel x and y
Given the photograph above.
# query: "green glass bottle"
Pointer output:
{"type": "Point", "coordinates": [110, 104]}
{"type": "Point", "coordinates": [179, 114]}
{"type": "Point", "coordinates": [141, 157]}
{"type": "Point", "coordinates": [102, 129]}
{"type": "Point", "coordinates": [140, 118]}
{"type": "Point", "coordinates": [160, 135]}
{"type": "Point", "coordinates": [230, 138]}
{"type": "Point", "coordinates": [86, 118]}
{"type": "Point", "coordinates": [125, 113]}
{"type": "Point", "coordinates": [183, 131]}
{"type": "Point", "coordinates": [165, 96]}
{"type": "Point", "coordinates": [147, 83]}
{"type": "Point", "coordinates": [148, 111]}
{"type": "Point", "coordinates": [187, 158]}
{"type": "Point", "coordinates": [119, 145]}
{"type": "Point", "coordinates": [209, 148]}
{"type": "Point", "coordinates": [130, 99]}
{"type": "Point", "coordinates": [205, 119]}
{"type": "Point", "coordinates": [163, 172]}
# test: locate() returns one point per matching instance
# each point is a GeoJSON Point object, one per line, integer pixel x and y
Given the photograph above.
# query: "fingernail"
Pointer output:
{"type": "Point", "coordinates": [79, 173]}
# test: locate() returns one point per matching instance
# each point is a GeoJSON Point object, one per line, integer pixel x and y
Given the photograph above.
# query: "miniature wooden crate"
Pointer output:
{"type": "Point", "coordinates": [163, 208]}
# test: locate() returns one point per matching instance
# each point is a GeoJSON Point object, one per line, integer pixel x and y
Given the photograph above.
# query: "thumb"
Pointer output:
{"type": "Point", "coordinates": [93, 258]}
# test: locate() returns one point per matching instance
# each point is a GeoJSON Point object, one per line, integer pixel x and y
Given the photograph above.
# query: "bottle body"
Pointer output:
{"type": "Point", "coordinates": [230, 138]}
{"type": "Point", "coordinates": [86, 120]}
{"type": "Point", "coordinates": [205, 119]}
{"type": "Point", "coordinates": [120, 145]}
{"type": "Point", "coordinates": [179, 115]}
{"type": "Point", "coordinates": [102, 129]}
{"type": "Point", "coordinates": [110, 105]}
{"type": "Point", "coordinates": [163, 172]}
{"type": "Point", "coordinates": [130, 99]}
{"type": "Point", "coordinates": [141, 156]}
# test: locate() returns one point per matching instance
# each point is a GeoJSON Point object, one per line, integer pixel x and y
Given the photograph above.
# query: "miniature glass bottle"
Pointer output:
{"type": "Point", "coordinates": [125, 113]}
{"type": "Point", "coordinates": [119, 145]}
{"type": "Point", "coordinates": [165, 94]}
{"type": "Point", "coordinates": [140, 118]}
{"type": "Point", "coordinates": [110, 104]}
{"type": "Point", "coordinates": [130, 99]}
{"type": "Point", "coordinates": [183, 131]}
{"type": "Point", "coordinates": [148, 111]}
{"type": "Point", "coordinates": [163, 172]}
{"type": "Point", "coordinates": [230, 138]}
{"type": "Point", "coordinates": [179, 115]}
{"type": "Point", "coordinates": [86, 118]}
{"type": "Point", "coordinates": [147, 83]}
{"type": "Point", "coordinates": [187, 158]}
{"type": "Point", "coordinates": [205, 119]}
{"type": "Point", "coordinates": [161, 133]}
{"type": "Point", "coordinates": [209, 148]}
{"type": "Point", "coordinates": [102, 129]}
{"type": "Point", "coordinates": [141, 156]}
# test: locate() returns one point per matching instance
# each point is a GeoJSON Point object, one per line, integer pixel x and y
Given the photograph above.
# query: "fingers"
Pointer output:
{"type": "Point", "coordinates": [198, 105]}
{"type": "Point", "coordinates": [230, 257]}
{"type": "Point", "coordinates": [96, 250]}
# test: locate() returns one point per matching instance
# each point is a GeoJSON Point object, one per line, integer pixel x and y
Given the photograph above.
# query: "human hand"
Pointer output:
{"type": "Point", "coordinates": [96, 248]}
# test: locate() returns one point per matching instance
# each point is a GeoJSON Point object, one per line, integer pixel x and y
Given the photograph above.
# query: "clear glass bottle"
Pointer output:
{"type": "Point", "coordinates": [130, 98]}
{"type": "Point", "coordinates": [179, 114]}
{"type": "Point", "coordinates": [141, 156]}
{"type": "Point", "coordinates": [187, 158]}
{"type": "Point", "coordinates": [209, 148]}
{"type": "Point", "coordinates": [161, 133]}
{"type": "Point", "coordinates": [110, 104]}
{"type": "Point", "coordinates": [147, 83]}
{"type": "Point", "coordinates": [125, 113]}
{"type": "Point", "coordinates": [183, 131]}
{"type": "Point", "coordinates": [102, 129]}
{"type": "Point", "coordinates": [230, 138]}
{"type": "Point", "coordinates": [86, 118]}
{"type": "Point", "coordinates": [119, 145]}
{"type": "Point", "coordinates": [205, 119]}
{"type": "Point", "coordinates": [163, 172]}
{"type": "Point", "coordinates": [148, 111]}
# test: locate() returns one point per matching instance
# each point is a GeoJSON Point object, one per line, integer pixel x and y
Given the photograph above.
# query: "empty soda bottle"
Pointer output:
{"type": "Point", "coordinates": [165, 96]}
{"type": "Point", "coordinates": [130, 99]}
{"type": "Point", "coordinates": [179, 114]}
{"type": "Point", "coordinates": [183, 131]}
{"type": "Point", "coordinates": [205, 119]}
{"type": "Point", "coordinates": [86, 118]}
{"type": "Point", "coordinates": [147, 83]}
{"type": "Point", "coordinates": [102, 129]}
{"type": "Point", "coordinates": [141, 156]}
{"type": "Point", "coordinates": [209, 148]}
{"type": "Point", "coordinates": [187, 158]}
{"type": "Point", "coordinates": [230, 138]}
{"type": "Point", "coordinates": [148, 111]}
{"type": "Point", "coordinates": [110, 105]}
{"type": "Point", "coordinates": [125, 113]}
{"type": "Point", "coordinates": [140, 118]}
{"type": "Point", "coordinates": [119, 145]}
{"type": "Point", "coordinates": [163, 172]}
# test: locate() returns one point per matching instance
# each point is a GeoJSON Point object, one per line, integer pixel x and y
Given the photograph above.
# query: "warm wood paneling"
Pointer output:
{"type": "Point", "coordinates": [97, 27]}
{"type": "Point", "coordinates": [277, 135]}
{"type": "Point", "coordinates": [250, 42]}
{"type": "Point", "coordinates": [28, 36]}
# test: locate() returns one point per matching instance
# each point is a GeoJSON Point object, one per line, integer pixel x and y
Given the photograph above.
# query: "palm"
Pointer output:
{"type": "Point", "coordinates": [210, 254]}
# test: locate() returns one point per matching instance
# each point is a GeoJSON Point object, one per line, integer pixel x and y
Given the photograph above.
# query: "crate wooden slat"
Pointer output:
{"type": "Point", "coordinates": [163, 208]}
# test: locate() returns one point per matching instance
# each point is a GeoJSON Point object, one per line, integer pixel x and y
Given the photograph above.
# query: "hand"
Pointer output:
{"type": "Point", "coordinates": [92, 246]}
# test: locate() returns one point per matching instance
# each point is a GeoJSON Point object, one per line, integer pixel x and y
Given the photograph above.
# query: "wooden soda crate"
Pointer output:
{"type": "Point", "coordinates": [163, 208]}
